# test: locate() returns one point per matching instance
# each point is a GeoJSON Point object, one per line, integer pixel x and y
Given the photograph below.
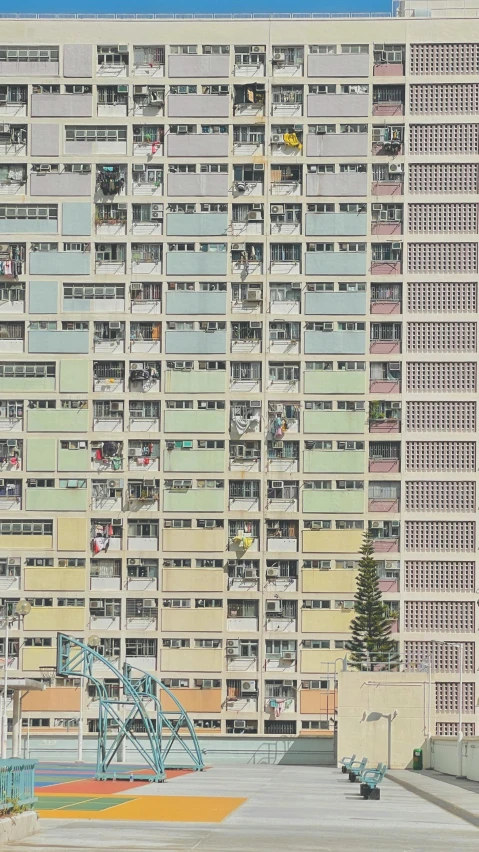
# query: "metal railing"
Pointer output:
{"type": "Point", "coordinates": [17, 784]}
{"type": "Point", "coordinates": [246, 16]}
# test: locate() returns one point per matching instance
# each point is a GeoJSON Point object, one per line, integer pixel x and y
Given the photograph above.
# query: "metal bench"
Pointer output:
{"type": "Point", "coordinates": [356, 768]}
{"type": "Point", "coordinates": [370, 780]}
{"type": "Point", "coordinates": [346, 763]}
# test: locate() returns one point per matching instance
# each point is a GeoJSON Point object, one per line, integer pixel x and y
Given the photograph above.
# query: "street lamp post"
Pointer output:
{"type": "Point", "coordinates": [21, 608]}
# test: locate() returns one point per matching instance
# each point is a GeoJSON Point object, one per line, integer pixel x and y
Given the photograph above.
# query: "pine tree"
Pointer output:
{"type": "Point", "coordinates": [370, 642]}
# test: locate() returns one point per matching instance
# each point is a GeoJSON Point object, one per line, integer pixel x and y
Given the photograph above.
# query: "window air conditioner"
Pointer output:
{"type": "Point", "coordinates": [328, 326]}
{"type": "Point", "coordinates": [250, 574]}
{"type": "Point", "coordinates": [255, 403]}
{"type": "Point", "coordinates": [138, 167]}
{"type": "Point", "coordinates": [182, 128]}
{"type": "Point", "coordinates": [239, 723]}
{"type": "Point", "coordinates": [396, 246]}
{"type": "Point", "coordinates": [253, 296]}
{"type": "Point", "coordinates": [255, 324]}
{"type": "Point", "coordinates": [122, 90]}
{"type": "Point", "coordinates": [288, 655]}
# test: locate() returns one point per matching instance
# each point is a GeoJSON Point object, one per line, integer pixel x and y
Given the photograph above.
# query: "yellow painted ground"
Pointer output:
{"type": "Point", "coordinates": [155, 809]}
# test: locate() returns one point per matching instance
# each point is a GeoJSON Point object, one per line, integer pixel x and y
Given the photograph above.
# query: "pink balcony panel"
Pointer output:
{"type": "Point", "coordinates": [389, 69]}
{"type": "Point", "coordinates": [384, 466]}
{"type": "Point", "coordinates": [386, 267]}
{"type": "Point", "coordinates": [386, 307]}
{"type": "Point", "coordinates": [388, 586]}
{"type": "Point", "coordinates": [388, 109]}
{"type": "Point", "coordinates": [376, 505]}
{"type": "Point", "coordinates": [380, 386]}
{"type": "Point", "coordinates": [395, 626]}
{"type": "Point", "coordinates": [386, 545]}
{"type": "Point", "coordinates": [385, 426]}
{"type": "Point", "coordinates": [378, 148]}
{"type": "Point", "coordinates": [387, 187]}
{"type": "Point", "coordinates": [386, 228]}
{"type": "Point", "coordinates": [385, 347]}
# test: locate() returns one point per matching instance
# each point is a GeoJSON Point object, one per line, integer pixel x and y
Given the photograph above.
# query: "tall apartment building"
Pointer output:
{"type": "Point", "coordinates": [238, 281]}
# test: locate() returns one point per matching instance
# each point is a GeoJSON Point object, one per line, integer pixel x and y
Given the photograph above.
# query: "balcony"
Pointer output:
{"type": "Point", "coordinates": [148, 141]}
{"type": "Point", "coordinates": [284, 338]}
{"type": "Point", "coordinates": [386, 299]}
{"type": "Point", "coordinates": [246, 337]}
{"type": "Point", "coordinates": [146, 259]}
{"type": "Point", "coordinates": [13, 140]}
{"type": "Point", "coordinates": [282, 496]}
{"type": "Point", "coordinates": [110, 181]}
{"type": "Point", "coordinates": [385, 377]}
{"type": "Point", "coordinates": [13, 180]}
{"type": "Point", "coordinates": [385, 416]}
{"type": "Point", "coordinates": [385, 338]}
{"type": "Point", "coordinates": [110, 259]}
{"type": "Point", "coordinates": [388, 141]}
{"type": "Point", "coordinates": [110, 220]}
{"type": "Point", "coordinates": [250, 61]}
{"type": "Point", "coordinates": [384, 457]}
{"type": "Point", "coordinates": [105, 456]}
{"type": "Point", "coordinates": [109, 337]}
{"type": "Point", "coordinates": [249, 100]}
{"type": "Point", "coordinates": [145, 337]}
{"type": "Point", "coordinates": [388, 100]}
{"type": "Point", "coordinates": [388, 60]}
{"type": "Point", "coordinates": [11, 495]}
{"type": "Point", "coordinates": [148, 61]}
{"type": "Point", "coordinates": [149, 101]}
{"type": "Point", "coordinates": [13, 101]}
{"type": "Point", "coordinates": [146, 298]}
{"type": "Point", "coordinates": [386, 259]}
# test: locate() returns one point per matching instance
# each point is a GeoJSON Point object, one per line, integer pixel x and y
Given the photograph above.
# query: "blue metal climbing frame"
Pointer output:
{"type": "Point", "coordinates": [75, 659]}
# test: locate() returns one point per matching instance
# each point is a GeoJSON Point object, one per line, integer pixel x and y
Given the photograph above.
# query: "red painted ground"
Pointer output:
{"type": "Point", "coordinates": [91, 785]}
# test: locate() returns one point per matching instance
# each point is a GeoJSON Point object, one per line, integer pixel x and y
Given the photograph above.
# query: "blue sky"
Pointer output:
{"type": "Point", "coordinates": [195, 6]}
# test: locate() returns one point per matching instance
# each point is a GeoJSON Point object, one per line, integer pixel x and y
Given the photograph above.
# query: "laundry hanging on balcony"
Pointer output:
{"type": "Point", "coordinates": [292, 140]}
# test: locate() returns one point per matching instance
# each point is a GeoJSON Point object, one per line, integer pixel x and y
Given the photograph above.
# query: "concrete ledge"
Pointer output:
{"type": "Point", "coordinates": [455, 800]}
{"type": "Point", "coordinates": [18, 826]}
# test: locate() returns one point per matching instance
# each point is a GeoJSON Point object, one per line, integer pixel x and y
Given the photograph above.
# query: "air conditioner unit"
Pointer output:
{"type": "Point", "coordinates": [395, 168]}
{"type": "Point", "coordinates": [134, 561]}
{"type": "Point", "coordinates": [122, 48]}
{"type": "Point", "coordinates": [272, 572]}
{"type": "Point", "coordinates": [248, 686]}
{"type": "Point", "coordinates": [288, 655]}
{"type": "Point", "coordinates": [277, 445]}
{"type": "Point", "coordinates": [377, 525]}
{"type": "Point", "coordinates": [140, 90]}
{"type": "Point", "coordinates": [239, 723]}
{"type": "Point", "coordinates": [376, 206]}
{"type": "Point", "coordinates": [288, 682]}
{"type": "Point", "coordinates": [240, 186]}
{"type": "Point", "coordinates": [254, 215]}
{"type": "Point", "coordinates": [238, 246]}
{"type": "Point", "coordinates": [389, 565]}
{"type": "Point", "coordinates": [138, 167]}
{"type": "Point", "coordinates": [328, 326]}
{"type": "Point", "coordinates": [96, 604]}
{"type": "Point", "coordinates": [258, 167]}
{"type": "Point", "coordinates": [274, 606]}
{"type": "Point", "coordinates": [114, 325]}
{"type": "Point", "coordinates": [231, 652]}
{"type": "Point", "coordinates": [250, 574]}
{"type": "Point", "coordinates": [277, 208]}
{"type": "Point", "coordinates": [149, 604]}
{"type": "Point", "coordinates": [258, 48]}
{"type": "Point", "coordinates": [122, 90]}
{"type": "Point", "coordinates": [279, 57]}
{"type": "Point", "coordinates": [135, 452]}
{"type": "Point", "coordinates": [168, 523]}
{"type": "Point", "coordinates": [396, 246]}
{"type": "Point", "coordinates": [276, 138]}
{"type": "Point", "coordinates": [182, 128]}
{"type": "Point", "coordinates": [116, 406]}
{"type": "Point", "coordinates": [255, 324]}
{"type": "Point", "coordinates": [157, 214]}
{"type": "Point", "coordinates": [253, 296]}
{"type": "Point", "coordinates": [255, 403]}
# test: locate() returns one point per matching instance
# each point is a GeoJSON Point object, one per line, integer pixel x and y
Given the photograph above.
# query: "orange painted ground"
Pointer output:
{"type": "Point", "coordinates": [153, 809]}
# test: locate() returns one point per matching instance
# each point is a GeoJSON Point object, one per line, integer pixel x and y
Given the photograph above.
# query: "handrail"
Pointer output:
{"type": "Point", "coordinates": [233, 16]}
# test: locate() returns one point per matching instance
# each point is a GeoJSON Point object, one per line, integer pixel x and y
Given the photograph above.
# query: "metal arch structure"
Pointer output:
{"type": "Point", "coordinates": [168, 730]}
{"type": "Point", "coordinates": [75, 659]}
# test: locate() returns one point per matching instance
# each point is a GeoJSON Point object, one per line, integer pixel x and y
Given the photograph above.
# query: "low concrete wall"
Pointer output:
{"type": "Point", "coordinates": [240, 749]}
{"type": "Point", "coordinates": [445, 756]}
{"type": "Point", "coordinates": [17, 827]}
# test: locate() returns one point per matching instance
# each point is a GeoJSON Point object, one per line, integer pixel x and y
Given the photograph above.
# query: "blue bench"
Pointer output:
{"type": "Point", "coordinates": [370, 780]}
{"type": "Point", "coordinates": [346, 763]}
{"type": "Point", "coordinates": [356, 768]}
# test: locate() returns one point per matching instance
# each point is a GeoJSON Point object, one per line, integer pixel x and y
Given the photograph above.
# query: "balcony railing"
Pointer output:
{"type": "Point", "coordinates": [17, 783]}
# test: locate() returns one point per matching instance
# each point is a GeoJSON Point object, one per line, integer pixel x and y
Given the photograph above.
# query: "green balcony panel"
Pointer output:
{"type": "Point", "coordinates": [194, 500]}
{"type": "Point", "coordinates": [76, 218]}
{"type": "Point", "coordinates": [196, 263]}
{"type": "Point", "coordinates": [196, 224]}
{"type": "Point", "coordinates": [194, 420]}
{"type": "Point", "coordinates": [335, 381]}
{"type": "Point", "coordinates": [23, 385]}
{"type": "Point", "coordinates": [60, 263]}
{"type": "Point", "coordinates": [195, 342]}
{"type": "Point", "coordinates": [336, 224]}
{"type": "Point", "coordinates": [335, 263]}
{"type": "Point", "coordinates": [78, 459]}
{"type": "Point", "coordinates": [195, 381]}
{"type": "Point", "coordinates": [194, 461]}
{"type": "Point", "coordinates": [190, 302]}
{"type": "Point", "coordinates": [43, 297]}
{"type": "Point", "coordinates": [353, 304]}
{"type": "Point", "coordinates": [28, 226]}
{"type": "Point", "coordinates": [56, 499]}
{"type": "Point", "coordinates": [333, 501]}
{"type": "Point", "coordinates": [333, 461]}
{"type": "Point", "coordinates": [61, 342]}
{"type": "Point", "coordinates": [73, 420]}
{"type": "Point", "coordinates": [74, 376]}
{"type": "Point", "coordinates": [335, 422]}
{"type": "Point", "coordinates": [40, 454]}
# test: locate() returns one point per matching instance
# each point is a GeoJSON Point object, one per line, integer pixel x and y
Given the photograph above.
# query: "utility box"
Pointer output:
{"type": "Point", "coordinates": [417, 758]}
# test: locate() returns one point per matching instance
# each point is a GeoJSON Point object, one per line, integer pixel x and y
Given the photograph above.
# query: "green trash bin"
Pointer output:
{"type": "Point", "coordinates": [417, 758]}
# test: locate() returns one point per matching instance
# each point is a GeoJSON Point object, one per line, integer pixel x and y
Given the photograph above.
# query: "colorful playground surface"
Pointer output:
{"type": "Point", "coordinates": [70, 791]}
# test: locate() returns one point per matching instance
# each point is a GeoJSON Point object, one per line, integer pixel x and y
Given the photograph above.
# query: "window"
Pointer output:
{"type": "Point", "coordinates": [29, 54]}
{"type": "Point", "coordinates": [214, 90]}
{"type": "Point", "coordinates": [76, 602]}
{"type": "Point", "coordinates": [95, 134]}
{"type": "Point", "coordinates": [183, 90]}
{"type": "Point", "coordinates": [26, 528]}
{"type": "Point", "coordinates": [208, 603]}
{"type": "Point", "coordinates": [183, 48]}
{"type": "Point", "coordinates": [30, 212]}
{"type": "Point", "coordinates": [208, 643]}
{"type": "Point", "coordinates": [353, 128]}
{"type": "Point", "coordinates": [355, 48]}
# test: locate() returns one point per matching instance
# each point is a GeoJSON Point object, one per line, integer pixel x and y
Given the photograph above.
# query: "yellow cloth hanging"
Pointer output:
{"type": "Point", "coordinates": [247, 542]}
{"type": "Point", "coordinates": [292, 140]}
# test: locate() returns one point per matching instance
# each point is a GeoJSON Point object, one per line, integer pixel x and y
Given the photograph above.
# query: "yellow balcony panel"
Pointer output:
{"type": "Point", "coordinates": [63, 699]}
{"type": "Point", "coordinates": [180, 620]}
{"type": "Point", "coordinates": [332, 541]}
{"type": "Point", "coordinates": [194, 660]}
{"type": "Point", "coordinates": [34, 658]}
{"type": "Point", "coordinates": [72, 534]}
{"type": "Point", "coordinates": [193, 580]}
{"type": "Point", "coordinates": [55, 618]}
{"type": "Point", "coordinates": [200, 540]}
{"type": "Point", "coordinates": [322, 701]}
{"type": "Point", "coordinates": [55, 579]}
{"type": "Point", "coordinates": [26, 542]}
{"type": "Point", "coordinates": [194, 700]}
{"type": "Point", "coordinates": [326, 620]}
{"type": "Point", "coordinates": [321, 661]}
{"type": "Point", "coordinates": [314, 580]}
